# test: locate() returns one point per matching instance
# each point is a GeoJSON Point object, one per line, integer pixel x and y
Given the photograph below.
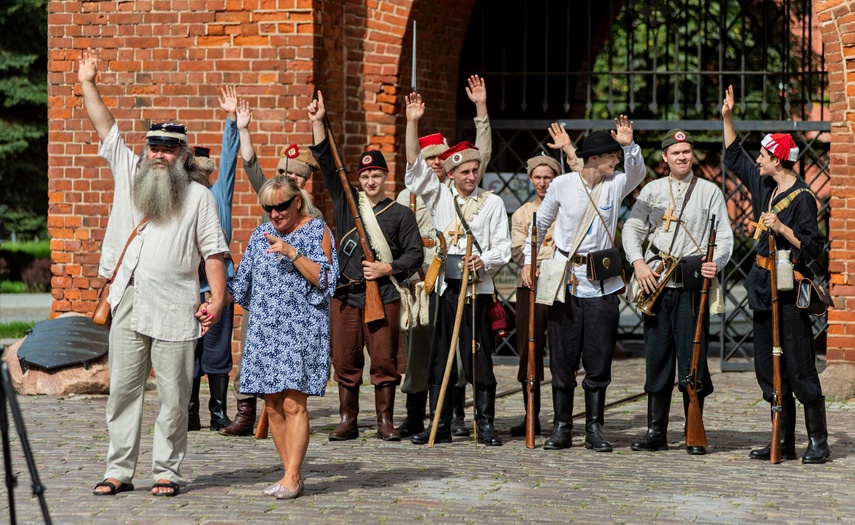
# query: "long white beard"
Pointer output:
{"type": "Point", "coordinates": [159, 193]}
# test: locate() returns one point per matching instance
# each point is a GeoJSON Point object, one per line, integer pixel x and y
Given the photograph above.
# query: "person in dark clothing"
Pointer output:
{"type": "Point", "coordinates": [394, 237]}
{"type": "Point", "coordinates": [784, 205]}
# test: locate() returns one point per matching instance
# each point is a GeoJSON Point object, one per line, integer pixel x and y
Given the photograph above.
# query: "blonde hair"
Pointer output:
{"type": "Point", "coordinates": [283, 184]}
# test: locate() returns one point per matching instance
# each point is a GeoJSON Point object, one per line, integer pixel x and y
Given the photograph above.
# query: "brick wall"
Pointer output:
{"type": "Point", "coordinates": [837, 24]}
{"type": "Point", "coordinates": [163, 60]}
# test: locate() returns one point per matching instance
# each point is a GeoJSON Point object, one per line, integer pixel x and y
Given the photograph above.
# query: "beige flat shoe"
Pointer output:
{"type": "Point", "coordinates": [286, 493]}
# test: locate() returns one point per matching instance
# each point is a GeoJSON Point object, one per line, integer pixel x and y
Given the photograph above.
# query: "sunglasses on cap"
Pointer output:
{"type": "Point", "coordinates": [170, 127]}
{"type": "Point", "coordinates": [281, 207]}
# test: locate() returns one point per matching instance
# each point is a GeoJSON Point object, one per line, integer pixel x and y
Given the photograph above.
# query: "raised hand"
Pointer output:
{"type": "Point", "coordinates": [728, 103]}
{"type": "Point", "coordinates": [477, 89]}
{"type": "Point", "coordinates": [415, 106]}
{"type": "Point", "coordinates": [317, 109]}
{"type": "Point", "coordinates": [623, 131]}
{"type": "Point", "coordinates": [228, 100]}
{"type": "Point", "coordinates": [560, 138]}
{"type": "Point", "coordinates": [87, 66]}
{"type": "Point", "coordinates": [243, 116]}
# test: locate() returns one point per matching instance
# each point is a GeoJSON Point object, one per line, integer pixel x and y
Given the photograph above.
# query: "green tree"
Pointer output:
{"type": "Point", "coordinates": [23, 117]}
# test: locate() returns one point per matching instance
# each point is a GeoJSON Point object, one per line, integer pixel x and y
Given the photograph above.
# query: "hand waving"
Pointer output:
{"type": "Point", "coordinates": [477, 89]}
{"type": "Point", "coordinates": [728, 103]}
{"type": "Point", "coordinates": [228, 100]}
{"type": "Point", "coordinates": [415, 106]}
{"type": "Point", "coordinates": [560, 138]}
{"type": "Point", "coordinates": [317, 109]}
{"type": "Point", "coordinates": [87, 66]}
{"type": "Point", "coordinates": [623, 131]}
{"type": "Point", "coordinates": [243, 115]}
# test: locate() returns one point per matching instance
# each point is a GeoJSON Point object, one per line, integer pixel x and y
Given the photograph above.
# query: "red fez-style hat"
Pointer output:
{"type": "Point", "coordinates": [782, 146]}
{"type": "Point", "coordinates": [432, 145]}
{"type": "Point", "coordinates": [458, 154]}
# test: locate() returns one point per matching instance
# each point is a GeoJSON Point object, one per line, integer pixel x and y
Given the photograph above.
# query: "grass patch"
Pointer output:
{"type": "Point", "coordinates": [14, 330]}
{"type": "Point", "coordinates": [13, 287]}
{"type": "Point", "coordinates": [38, 249]}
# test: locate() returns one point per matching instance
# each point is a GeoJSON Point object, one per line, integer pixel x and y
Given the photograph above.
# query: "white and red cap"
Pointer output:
{"type": "Point", "coordinates": [459, 154]}
{"type": "Point", "coordinates": [432, 145]}
{"type": "Point", "coordinates": [781, 145]}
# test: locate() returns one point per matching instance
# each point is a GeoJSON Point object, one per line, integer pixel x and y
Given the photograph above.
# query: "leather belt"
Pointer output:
{"type": "Point", "coordinates": [767, 263]}
{"type": "Point", "coordinates": [352, 286]}
{"type": "Point", "coordinates": [428, 243]}
{"type": "Point", "coordinates": [577, 259]}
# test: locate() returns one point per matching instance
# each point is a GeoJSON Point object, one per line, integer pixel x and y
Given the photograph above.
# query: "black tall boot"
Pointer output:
{"type": "Point", "coordinates": [193, 421]}
{"type": "Point", "coordinates": [485, 408]}
{"type": "Point", "coordinates": [817, 451]}
{"type": "Point", "coordinates": [562, 402]}
{"type": "Point", "coordinates": [658, 407]}
{"type": "Point", "coordinates": [695, 450]}
{"type": "Point", "coordinates": [788, 431]}
{"type": "Point", "coordinates": [458, 414]}
{"type": "Point", "coordinates": [348, 409]}
{"type": "Point", "coordinates": [595, 407]}
{"type": "Point", "coordinates": [415, 420]}
{"type": "Point", "coordinates": [218, 384]}
{"type": "Point", "coordinates": [519, 430]}
{"type": "Point", "coordinates": [443, 431]}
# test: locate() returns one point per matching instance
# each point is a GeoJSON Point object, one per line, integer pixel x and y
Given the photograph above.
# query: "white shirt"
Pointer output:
{"type": "Point", "coordinates": [489, 225]}
{"type": "Point", "coordinates": [567, 199]}
{"type": "Point", "coordinates": [163, 259]}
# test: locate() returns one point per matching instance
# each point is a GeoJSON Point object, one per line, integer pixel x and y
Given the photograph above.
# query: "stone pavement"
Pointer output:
{"type": "Point", "coordinates": [371, 481]}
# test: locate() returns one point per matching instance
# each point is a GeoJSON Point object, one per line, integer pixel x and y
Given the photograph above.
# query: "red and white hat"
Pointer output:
{"type": "Point", "coordinates": [432, 145]}
{"type": "Point", "coordinates": [781, 145]}
{"type": "Point", "coordinates": [459, 154]}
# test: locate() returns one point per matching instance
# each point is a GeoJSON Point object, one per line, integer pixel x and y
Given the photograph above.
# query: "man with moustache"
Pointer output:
{"type": "Point", "coordinates": [394, 236]}
{"type": "Point", "coordinates": [154, 297]}
{"type": "Point", "coordinates": [673, 214]}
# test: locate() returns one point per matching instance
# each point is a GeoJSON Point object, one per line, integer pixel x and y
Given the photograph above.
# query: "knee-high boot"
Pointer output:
{"type": "Point", "coordinates": [818, 450]}
{"type": "Point", "coordinates": [219, 388]}
{"type": "Point", "coordinates": [658, 407]}
{"type": "Point", "coordinates": [193, 421]}
{"type": "Point", "coordinates": [519, 430]}
{"type": "Point", "coordinates": [562, 425]}
{"type": "Point", "coordinates": [788, 433]}
{"type": "Point", "coordinates": [384, 402]}
{"type": "Point", "coordinates": [595, 407]}
{"type": "Point", "coordinates": [458, 414]}
{"type": "Point", "coordinates": [348, 398]}
{"type": "Point", "coordinates": [244, 420]}
{"type": "Point", "coordinates": [485, 406]}
{"type": "Point", "coordinates": [415, 420]}
{"type": "Point", "coordinates": [443, 431]}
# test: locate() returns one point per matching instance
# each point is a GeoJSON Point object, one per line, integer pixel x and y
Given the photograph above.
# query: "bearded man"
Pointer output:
{"type": "Point", "coordinates": [162, 225]}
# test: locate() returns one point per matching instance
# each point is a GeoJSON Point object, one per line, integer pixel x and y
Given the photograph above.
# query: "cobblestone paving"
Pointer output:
{"type": "Point", "coordinates": [371, 481]}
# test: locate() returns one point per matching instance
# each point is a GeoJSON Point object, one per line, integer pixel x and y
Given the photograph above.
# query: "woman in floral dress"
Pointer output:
{"type": "Point", "coordinates": [286, 279]}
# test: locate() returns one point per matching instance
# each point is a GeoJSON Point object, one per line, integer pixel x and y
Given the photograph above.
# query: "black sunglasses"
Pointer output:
{"type": "Point", "coordinates": [170, 127]}
{"type": "Point", "coordinates": [281, 207]}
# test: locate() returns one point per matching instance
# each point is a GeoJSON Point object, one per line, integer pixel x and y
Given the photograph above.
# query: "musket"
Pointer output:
{"type": "Point", "coordinates": [474, 330]}
{"type": "Point", "coordinates": [696, 435]}
{"type": "Point", "coordinates": [373, 300]}
{"type": "Point", "coordinates": [452, 352]}
{"type": "Point", "coordinates": [532, 340]}
{"type": "Point", "coordinates": [775, 445]}
{"type": "Point", "coordinates": [413, 75]}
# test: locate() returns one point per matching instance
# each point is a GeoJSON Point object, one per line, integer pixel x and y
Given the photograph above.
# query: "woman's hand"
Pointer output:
{"type": "Point", "coordinates": [279, 246]}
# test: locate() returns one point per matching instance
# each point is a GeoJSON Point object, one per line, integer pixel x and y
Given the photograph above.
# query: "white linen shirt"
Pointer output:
{"type": "Point", "coordinates": [489, 225]}
{"type": "Point", "coordinates": [567, 199]}
{"type": "Point", "coordinates": [163, 259]}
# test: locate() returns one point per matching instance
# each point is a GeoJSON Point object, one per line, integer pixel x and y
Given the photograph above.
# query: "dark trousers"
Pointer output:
{"type": "Point", "coordinates": [583, 330]}
{"type": "Point", "coordinates": [668, 341]}
{"type": "Point", "coordinates": [798, 364]}
{"type": "Point", "coordinates": [483, 372]}
{"type": "Point", "coordinates": [522, 321]}
{"type": "Point", "coordinates": [214, 349]}
{"type": "Point", "coordinates": [350, 335]}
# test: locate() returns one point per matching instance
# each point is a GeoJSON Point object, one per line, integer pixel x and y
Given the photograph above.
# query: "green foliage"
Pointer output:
{"type": "Point", "coordinates": [14, 330]}
{"type": "Point", "coordinates": [13, 287]}
{"type": "Point", "coordinates": [38, 249]}
{"type": "Point", "coordinates": [23, 118]}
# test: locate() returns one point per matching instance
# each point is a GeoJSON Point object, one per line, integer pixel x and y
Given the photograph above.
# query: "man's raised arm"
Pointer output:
{"type": "Point", "coordinates": [87, 71]}
{"type": "Point", "coordinates": [415, 110]}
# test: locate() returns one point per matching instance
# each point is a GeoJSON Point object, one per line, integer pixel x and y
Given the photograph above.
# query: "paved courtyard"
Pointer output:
{"type": "Point", "coordinates": [371, 481]}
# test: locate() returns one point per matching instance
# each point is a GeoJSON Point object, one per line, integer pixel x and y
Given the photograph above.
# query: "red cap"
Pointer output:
{"type": "Point", "coordinates": [781, 145]}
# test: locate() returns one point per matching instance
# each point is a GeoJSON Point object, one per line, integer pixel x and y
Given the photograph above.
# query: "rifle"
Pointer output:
{"type": "Point", "coordinates": [532, 341]}
{"type": "Point", "coordinates": [696, 435]}
{"type": "Point", "coordinates": [373, 300]}
{"type": "Point", "coordinates": [775, 445]}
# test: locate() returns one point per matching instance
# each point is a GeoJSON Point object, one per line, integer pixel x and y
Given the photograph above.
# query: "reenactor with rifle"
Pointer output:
{"type": "Point", "coordinates": [672, 214]}
{"type": "Point", "coordinates": [784, 207]}
{"type": "Point", "coordinates": [379, 246]}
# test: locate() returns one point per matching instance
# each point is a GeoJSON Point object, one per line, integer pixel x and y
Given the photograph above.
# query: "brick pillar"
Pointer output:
{"type": "Point", "coordinates": [836, 20]}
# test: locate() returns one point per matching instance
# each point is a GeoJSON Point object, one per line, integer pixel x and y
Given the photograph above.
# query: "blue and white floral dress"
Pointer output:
{"type": "Point", "coordinates": [288, 339]}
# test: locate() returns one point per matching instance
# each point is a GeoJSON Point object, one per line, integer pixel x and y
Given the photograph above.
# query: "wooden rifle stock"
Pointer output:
{"type": "Point", "coordinates": [775, 445]}
{"type": "Point", "coordinates": [262, 430]}
{"type": "Point", "coordinates": [374, 310]}
{"type": "Point", "coordinates": [531, 384]}
{"type": "Point", "coordinates": [696, 435]}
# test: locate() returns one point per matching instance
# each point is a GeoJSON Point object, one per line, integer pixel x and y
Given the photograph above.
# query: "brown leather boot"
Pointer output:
{"type": "Point", "coordinates": [244, 420]}
{"type": "Point", "coordinates": [348, 398]}
{"type": "Point", "coordinates": [384, 401]}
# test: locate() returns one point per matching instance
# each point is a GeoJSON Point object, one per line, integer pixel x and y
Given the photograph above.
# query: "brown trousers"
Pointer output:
{"type": "Point", "coordinates": [350, 334]}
